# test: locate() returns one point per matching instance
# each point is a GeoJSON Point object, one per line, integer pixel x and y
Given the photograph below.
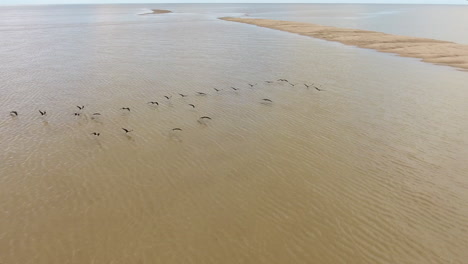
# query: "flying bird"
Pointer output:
{"type": "Point", "coordinates": [42, 112]}
{"type": "Point", "coordinates": [80, 107]}
{"type": "Point", "coordinates": [126, 130]}
{"type": "Point", "coordinates": [153, 102]}
{"type": "Point", "coordinates": [168, 97]}
{"type": "Point", "coordinates": [267, 100]}
{"type": "Point", "coordinates": [125, 108]}
{"type": "Point", "coordinates": [96, 134]}
{"type": "Point", "coordinates": [205, 117]}
{"type": "Point", "coordinates": [318, 89]}
{"type": "Point", "coordinates": [192, 105]}
{"type": "Point", "coordinates": [183, 95]}
{"type": "Point", "coordinates": [200, 93]}
{"type": "Point", "coordinates": [177, 129]}
{"type": "Point", "coordinates": [96, 114]}
{"type": "Point", "coordinates": [14, 113]}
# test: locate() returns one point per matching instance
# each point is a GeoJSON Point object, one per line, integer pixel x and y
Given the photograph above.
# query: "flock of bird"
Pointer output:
{"type": "Point", "coordinates": [168, 97]}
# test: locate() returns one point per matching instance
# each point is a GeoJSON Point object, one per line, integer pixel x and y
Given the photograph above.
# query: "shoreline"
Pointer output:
{"type": "Point", "coordinates": [428, 50]}
{"type": "Point", "coordinates": [157, 11]}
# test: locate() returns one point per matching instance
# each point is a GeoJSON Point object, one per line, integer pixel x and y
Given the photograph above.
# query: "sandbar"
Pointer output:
{"type": "Point", "coordinates": [428, 50]}
{"type": "Point", "coordinates": [158, 11]}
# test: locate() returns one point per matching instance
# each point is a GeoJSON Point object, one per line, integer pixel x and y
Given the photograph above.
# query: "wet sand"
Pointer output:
{"type": "Point", "coordinates": [158, 11]}
{"type": "Point", "coordinates": [428, 50]}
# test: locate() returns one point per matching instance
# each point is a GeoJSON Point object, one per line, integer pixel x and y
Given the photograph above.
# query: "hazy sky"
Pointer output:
{"type": "Point", "coordinates": [18, 2]}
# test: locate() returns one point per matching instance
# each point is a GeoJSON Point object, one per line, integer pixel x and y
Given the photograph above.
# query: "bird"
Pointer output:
{"type": "Point", "coordinates": [217, 90]}
{"type": "Point", "coordinates": [192, 105]}
{"type": "Point", "coordinates": [267, 100]}
{"type": "Point", "coordinates": [14, 113]}
{"type": "Point", "coordinates": [96, 114]}
{"type": "Point", "coordinates": [183, 95]}
{"type": "Point", "coordinates": [127, 130]}
{"type": "Point", "coordinates": [318, 89]}
{"type": "Point", "coordinates": [282, 80]}
{"type": "Point", "coordinates": [252, 85]}
{"type": "Point", "coordinates": [154, 102]}
{"type": "Point", "coordinates": [96, 134]}
{"type": "Point", "coordinates": [200, 93]}
{"type": "Point", "coordinates": [177, 129]}
{"type": "Point", "coordinates": [205, 117]}
{"type": "Point", "coordinates": [234, 88]}
{"type": "Point", "coordinates": [42, 112]}
{"type": "Point", "coordinates": [80, 107]}
{"type": "Point", "coordinates": [168, 97]}
{"type": "Point", "coordinates": [77, 114]}
{"type": "Point", "coordinates": [125, 108]}
{"type": "Point", "coordinates": [307, 85]}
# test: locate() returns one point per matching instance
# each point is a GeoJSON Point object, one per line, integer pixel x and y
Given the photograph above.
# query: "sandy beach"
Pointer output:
{"type": "Point", "coordinates": [158, 11]}
{"type": "Point", "coordinates": [428, 50]}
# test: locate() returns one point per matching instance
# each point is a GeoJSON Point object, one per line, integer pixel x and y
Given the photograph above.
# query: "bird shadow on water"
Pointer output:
{"type": "Point", "coordinates": [129, 138]}
{"type": "Point", "coordinates": [202, 123]}
{"type": "Point", "coordinates": [175, 137]}
{"type": "Point", "coordinates": [169, 104]}
{"type": "Point", "coordinates": [82, 120]}
{"type": "Point", "coordinates": [99, 144]}
{"type": "Point", "coordinates": [96, 120]}
{"type": "Point", "coordinates": [154, 108]}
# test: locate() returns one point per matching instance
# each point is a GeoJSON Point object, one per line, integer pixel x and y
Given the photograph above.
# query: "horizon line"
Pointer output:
{"type": "Point", "coordinates": [216, 3]}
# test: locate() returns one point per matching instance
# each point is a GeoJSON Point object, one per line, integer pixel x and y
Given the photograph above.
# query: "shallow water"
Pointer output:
{"type": "Point", "coordinates": [371, 170]}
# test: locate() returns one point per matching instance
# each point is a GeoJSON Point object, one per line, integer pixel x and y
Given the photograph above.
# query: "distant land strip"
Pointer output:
{"type": "Point", "coordinates": [428, 50]}
{"type": "Point", "coordinates": [158, 11]}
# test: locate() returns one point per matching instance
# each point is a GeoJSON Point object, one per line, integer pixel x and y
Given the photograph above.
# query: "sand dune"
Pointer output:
{"type": "Point", "coordinates": [428, 50]}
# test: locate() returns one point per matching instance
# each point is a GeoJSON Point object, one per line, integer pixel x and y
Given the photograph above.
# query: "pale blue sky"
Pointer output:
{"type": "Point", "coordinates": [35, 2]}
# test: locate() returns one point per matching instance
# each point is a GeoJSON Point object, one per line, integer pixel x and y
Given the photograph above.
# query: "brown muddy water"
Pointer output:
{"type": "Point", "coordinates": [373, 169]}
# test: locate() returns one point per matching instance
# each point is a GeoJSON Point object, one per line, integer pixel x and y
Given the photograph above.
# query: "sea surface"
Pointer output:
{"type": "Point", "coordinates": [373, 168]}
